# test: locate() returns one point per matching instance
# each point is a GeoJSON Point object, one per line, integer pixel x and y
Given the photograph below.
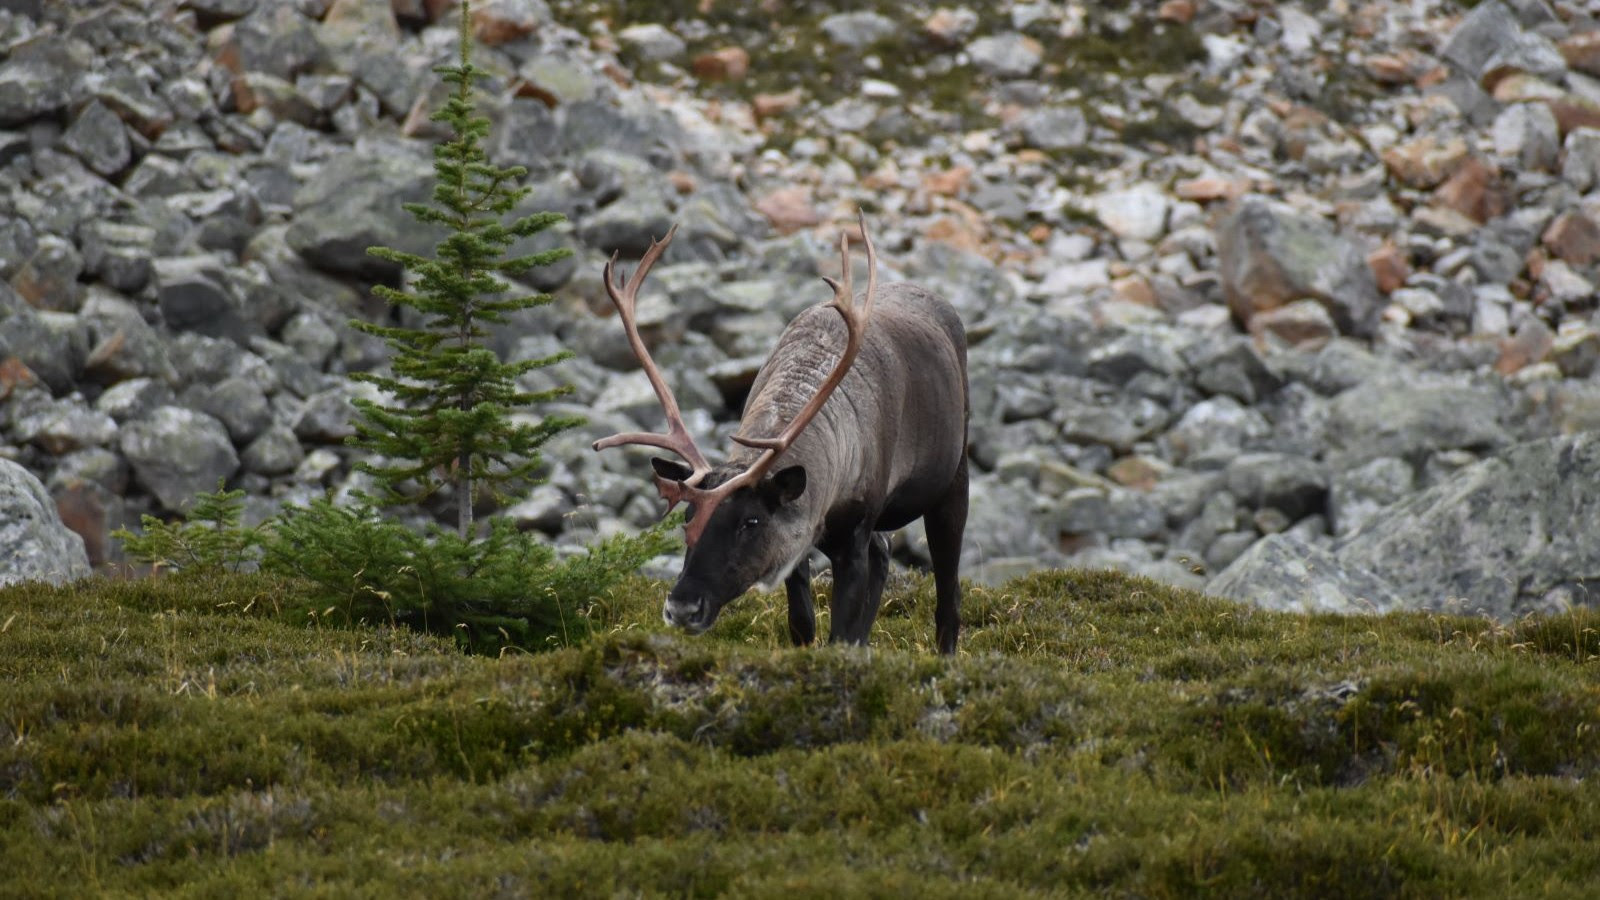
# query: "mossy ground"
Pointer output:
{"type": "Point", "coordinates": [1096, 735]}
{"type": "Point", "coordinates": [940, 92]}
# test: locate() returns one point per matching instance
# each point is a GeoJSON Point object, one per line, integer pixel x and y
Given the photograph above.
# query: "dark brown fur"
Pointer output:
{"type": "Point", "coordinates": [889, 447]}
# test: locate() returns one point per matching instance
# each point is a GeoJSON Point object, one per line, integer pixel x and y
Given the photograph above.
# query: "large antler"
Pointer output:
{"type": "Point", "coordinates": [676, 438]}
{"type": "Point", "coordinates": [855, 323]}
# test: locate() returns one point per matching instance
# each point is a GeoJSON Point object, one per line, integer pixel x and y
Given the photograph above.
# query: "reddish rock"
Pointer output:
{"type": "Point", "coordinates": [1386, 68]}
{"type": "Point", "coordinates": [1520, 87]}
{"type": "Point", "coordinates": [789, 209]}
{"type": "Point", "coordinates": [522, 89]}
{"type": "Point", "coordinates": [727, 64]}
{"type": "Point", "coordinates": [964, 231]}
{"type": "Point", "coordinates": [1303, 323]}
{"type": "Point", "coordinates": [767, 106]}
{"type": "Point", "coordinates": [223, 44]}
{"type": "Point", "coordinates": [1179, 11]}
{"type": "Point", "coordinates": [14, 373]}
{"type": "Point", "coordinates": [1138, 472]}
{"type": "Point", "coordinates": [243, 96]}
{"type": "Point", "coordinates": [1270, 254]}
{"type": "Point", "coordinates": [952, 182]}
{"type": "Point", "coordinates": [950, 27]}
{"type": "Point", "coordinates": [1209, 189]}
{"type": "Point", "coordinates": [257, 90]}
{"type": "Point", "coordinates": [1389, 267]}
{"type": "Point", "coordinates": [885, 177]}
{"type": "Point", "coordinates": [1434, 76]}
{"type": "Point", "coordinates": [1573, 113]}
{"type": "Point", "coordinates": [619, 76]}
{"type": "Point", "coordinates": [49, 278]}
{"type": "Point", "coordinates": [503, 21]}
{"type": "Point", "coordinates": [1494, 77]}
{"type": "Point", "coordinates": [1530, 344]}
{"type": "Point", "coordinates": [83, 509]}
{"type": "Point", "coordinates": [1533, 262]}
{"type": "Point", "coordinates": [682, 182]}
{"type": "Point", "coordinates": [1573, 237]}
{"type": "Point", "coordinates": [1582, 51]}
{"type": "Point", "coordinates": [1303, 129]}
{"type": "Point", "coordinates": [1224, 143]}
{"type": "Point", "coordinates": [1474, 190]}
{"type": "Point", "coordinates": [1134, 289]}
{"type": "Point", "coordinates": [1426, 161]}
{"type": "Point", "coordinates": [1368, 20]}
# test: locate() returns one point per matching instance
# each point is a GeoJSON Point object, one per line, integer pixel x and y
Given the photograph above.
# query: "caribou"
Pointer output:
{"type": "Point", "coordinates": [855, 426]}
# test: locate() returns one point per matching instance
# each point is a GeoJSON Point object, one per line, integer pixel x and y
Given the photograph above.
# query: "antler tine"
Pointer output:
{"type": "Point", "coordinates": [625, 298]}
{"type": "Point", "coordinates": [855, 323]}
{"type": "Point", "coordinates": [843, 290]}
{"type": "Point", "coordinates": [629, 291]}
{"type": "Point", "coordinates": [872, 262]}
{"type": "Point", "coordinates": [706, 500]}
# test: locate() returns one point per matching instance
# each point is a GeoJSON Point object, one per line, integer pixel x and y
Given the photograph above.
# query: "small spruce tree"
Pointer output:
{"type": "Point", "coordinates": [209, 540]}
{"type": "Point", "coordinates": [449, 424]}
{"type": "Point", "coordinates": [449, 421]}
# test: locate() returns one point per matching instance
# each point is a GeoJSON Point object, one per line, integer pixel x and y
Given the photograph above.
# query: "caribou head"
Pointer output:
{"type": "Point", "coordinates": [748, 520]}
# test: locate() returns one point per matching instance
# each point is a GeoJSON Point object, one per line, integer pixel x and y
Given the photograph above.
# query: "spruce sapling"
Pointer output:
{"type": "Point", "coordinates": [448, 417]}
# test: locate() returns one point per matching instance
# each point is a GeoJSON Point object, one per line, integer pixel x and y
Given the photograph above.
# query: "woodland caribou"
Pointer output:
{"type": "Point", "coordinates": [857, 424]}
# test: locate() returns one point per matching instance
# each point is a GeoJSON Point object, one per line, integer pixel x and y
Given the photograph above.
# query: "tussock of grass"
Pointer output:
{"type": "Point", "coordinates": [1097, 734]}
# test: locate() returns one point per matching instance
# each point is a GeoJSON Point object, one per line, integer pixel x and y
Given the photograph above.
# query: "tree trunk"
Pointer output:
{"type": "Point", "coordinates": [464, 496]}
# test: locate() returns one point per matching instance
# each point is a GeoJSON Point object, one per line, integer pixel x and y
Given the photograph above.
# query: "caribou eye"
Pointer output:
{"type": "Point", "coordinates": [750, 522]}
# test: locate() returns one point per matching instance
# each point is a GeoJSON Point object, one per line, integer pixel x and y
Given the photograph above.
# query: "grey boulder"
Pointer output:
{"type": "Point", "coordinates": [1282, 571]}
{"type": "Point", "coordinates": [177, 453]}
{"type": "Point", "coordinates": [354, 203]}
{"type": "Point", "coordinates": [1506, 536]}
{"type": "Point", "coordinates": [34, 544]}
{"type": "Point", "coordinates": [1270, 255]}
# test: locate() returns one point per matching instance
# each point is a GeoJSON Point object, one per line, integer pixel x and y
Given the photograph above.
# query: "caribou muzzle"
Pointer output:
{"type": "Point", "coordinates": [692, 615]}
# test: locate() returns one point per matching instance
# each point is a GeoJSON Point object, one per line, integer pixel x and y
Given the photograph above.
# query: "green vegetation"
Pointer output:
{"type": "Point", "coordinates": [1097, 735]}
{"type": "Point", "coordinates": [446, 423]}
{"type": "Point", "coordinates": [505, 590]}
{"type": "Point", "coordinates": [210, 539]}
{"type": "Point", "coordinates": [449, 423]}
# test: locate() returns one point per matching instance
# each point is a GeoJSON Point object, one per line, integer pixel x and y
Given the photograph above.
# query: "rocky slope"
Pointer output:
{"type": "Point", "coordinates": [1230, 270]}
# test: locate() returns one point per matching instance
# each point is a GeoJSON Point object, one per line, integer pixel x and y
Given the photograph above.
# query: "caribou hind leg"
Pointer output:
{"type": "Point", "coordinates": [802, 612]}
{"type": "Point", "coordinates": [877, 573]}
{"type": "Point", "coordinates": [945, 523]}
{"type": "Point", "coordinates": [872, 595]}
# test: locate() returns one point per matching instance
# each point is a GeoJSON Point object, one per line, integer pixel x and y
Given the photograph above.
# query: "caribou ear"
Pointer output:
{"type": "Point", "coordinates": [790, 484]}
{"type": "Point", "coordinates": [670, 469]}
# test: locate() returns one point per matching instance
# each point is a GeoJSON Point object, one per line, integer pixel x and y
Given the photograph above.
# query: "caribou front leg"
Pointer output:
{"type": "Point", "coordinates": [802, 611]}
{"type": "Point", "coordinates": [853, 607]}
